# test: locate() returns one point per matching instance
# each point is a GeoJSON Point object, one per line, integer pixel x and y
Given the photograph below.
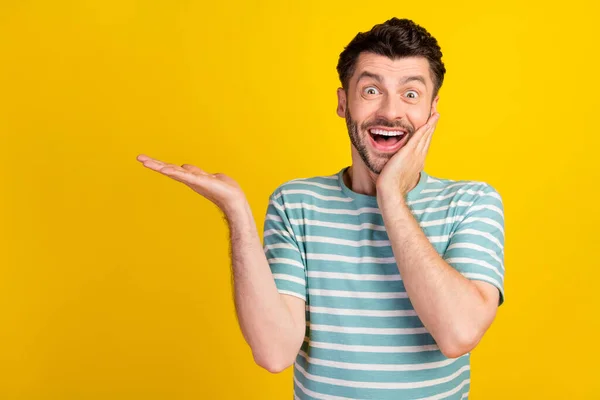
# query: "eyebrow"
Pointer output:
{"type": "Point", "coordinates": [378, 78]}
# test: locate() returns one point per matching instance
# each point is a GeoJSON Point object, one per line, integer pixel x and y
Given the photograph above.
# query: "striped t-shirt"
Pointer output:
{"type": "Point", "coordinates": [328, 245]}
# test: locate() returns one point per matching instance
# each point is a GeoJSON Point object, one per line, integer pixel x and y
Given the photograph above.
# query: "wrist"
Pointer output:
{"type": "Point", "coordinates": [238, 210]}
{"type": "Point", "coordinates": [391, 201]}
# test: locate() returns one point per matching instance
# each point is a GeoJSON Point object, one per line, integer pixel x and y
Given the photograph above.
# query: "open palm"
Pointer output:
{"type": "Point", "coordinates": [218, 188]}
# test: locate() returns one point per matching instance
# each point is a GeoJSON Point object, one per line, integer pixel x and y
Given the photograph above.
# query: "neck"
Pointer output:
{"type": "Point", "coordinates": [360, 179]}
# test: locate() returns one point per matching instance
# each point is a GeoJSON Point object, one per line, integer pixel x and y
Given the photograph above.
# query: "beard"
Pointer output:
{"type": "Point", "coordinates": [358, 137]}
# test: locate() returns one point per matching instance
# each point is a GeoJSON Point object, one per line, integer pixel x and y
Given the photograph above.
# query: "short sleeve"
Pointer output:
{"type": "Point", "coordinates": [282, 250]}
{"type": "Point", "coordinates": [476, 245]}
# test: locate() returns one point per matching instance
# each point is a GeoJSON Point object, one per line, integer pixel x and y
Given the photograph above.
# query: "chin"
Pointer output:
{"type": "Point", "coordinates": [376, 167]}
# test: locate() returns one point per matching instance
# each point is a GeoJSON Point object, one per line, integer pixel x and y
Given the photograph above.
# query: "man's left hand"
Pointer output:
{"type": "Point", "coordinates": [398, 176]}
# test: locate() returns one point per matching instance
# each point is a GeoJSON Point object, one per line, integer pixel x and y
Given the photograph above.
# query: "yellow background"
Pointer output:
{"type": "Point", "coordinates": [114, 280]}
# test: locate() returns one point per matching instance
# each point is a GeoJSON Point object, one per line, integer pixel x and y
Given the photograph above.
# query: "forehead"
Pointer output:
{"type": "Point", "coordinates": [392, 70]}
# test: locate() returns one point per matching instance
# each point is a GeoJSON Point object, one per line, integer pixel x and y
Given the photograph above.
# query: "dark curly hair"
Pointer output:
{"type": "Point", "coordinates": [395, 38]}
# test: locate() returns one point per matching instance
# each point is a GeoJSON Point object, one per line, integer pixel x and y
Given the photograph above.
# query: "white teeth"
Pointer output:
{"type": "Point", "coordinates": [387, 133]}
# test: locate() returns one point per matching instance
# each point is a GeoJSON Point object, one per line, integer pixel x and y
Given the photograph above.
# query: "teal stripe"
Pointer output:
{"type": "Point", "coordinates": [384, 376]}
{"type": "Point", "coordinates": [375, 358]}
{"type": "Point", "coordinates": [360, 321]}
{"type": "Point", "coordinates": [422, 339]}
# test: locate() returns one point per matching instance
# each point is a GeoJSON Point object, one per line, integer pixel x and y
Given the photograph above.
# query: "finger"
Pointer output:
{"type": "Point", "coordinates": [428, 141]}
{"type": "Point", "coordinates": [188, 177]}
{"type": "Point", "coordinates": [150, 162]}
{"type": "Point", "coordinates": [431, 125]}
{"type": "Point", "coordinates": [422, 131]}
{"type": "Point", "coordinates": [424, 144]}
{"type": "Point", "coordinates": [159, 165]}
{"type": "Point", "coordinates": [144, 158]}
{"type": "Point", "coordinates": [179, 174]}
{"type": "Point", "coordinates": [193, 169]}
{"type": "Point", "coordinates": [153, 165]}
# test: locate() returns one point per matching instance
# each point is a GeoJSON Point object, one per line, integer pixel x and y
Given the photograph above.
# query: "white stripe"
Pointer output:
{"type": "Point", "coordinates": [373, 349]}
{"type": "Point", "coordinates": [472, 275]}
{"type": "Point", "coordinates": [450, 392]}
{"type": "Point", "coordinates": [352, 227]}
{"type": "Point", "coordinates": [473, 246]}
{"type": "Point", "coordinates": [274, 217]}
{"type": "Point", "coordinates": [333, 177]}
{"type": "Point", "coordinates": [271, 217]}
{"type": "Point", "coordinates": [280, 246]}
{"type": "Point", "coordinates": [285, 277]}
{"type": "Point", "coordinates": [449, 195]}
{"type": "Point", "coordinates": [488, 221]}
{"type": "Point", "coordinates": [367, 331]}
{"type": "Point", "coordinates": [277, 205]}
{"type": "Point", "coordinates": [319, 396]}
{"type": "Point", "coordinates": [358, 295]}
{"type": "Point", "coordinates": [321, 185]}
{"type": "Point", "coordinates": [353, 243]}
{"type": "Point", "coordinates": [488, 207]}
{"type": "Point", "coordinates": [443, 221]}
{"type": "Point", "coordinates": [368, 225]}
{"type": "Point", "coordinates": [270, 232]}
{"type": "Point", "coordinates": [288, 292]}
{"type": "Point", "coordinates": [304, 206]}
{"type": "Point", "coordinates": [353, 277]}
{"type": "Point", "coordinates": [312, 194]}
{"type": "Point", "coordinates": [286, 261]}
{"type": "Point", "coordinates": [460, 184]}
{"type": "Point", "coordinates": [495, 195]}
{"type": "Point", "coordinates": [481, 263]}
{"type": "Point", "coordinates": [344, 242]}
{"type": "Point", "coordinates": [377, 367]}
{"type": "Point", "coordinates": [350, 259]}
{"type": "Point", "coordinates": [432, 180]}
{"type": "Point", "coordinates": [362, 313]}
{"type": "Point", "coordinates": [283, 246]}
{"type": "Point", "coordinates": [486, 235]}
{"type": "Point", "coordinates": [381, 385]}
{"type": "Point", "coordinates": [438, 239]}
{"type": "Point", "coordinates": [453, 204]}
{"type": "Point", "coordinates": [361, 243]}
{"type": "Point", "coordinates": [329, 397]}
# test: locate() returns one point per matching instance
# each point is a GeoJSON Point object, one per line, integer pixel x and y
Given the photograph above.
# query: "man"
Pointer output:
{"type": "Point", "coordinates": [375, 282]}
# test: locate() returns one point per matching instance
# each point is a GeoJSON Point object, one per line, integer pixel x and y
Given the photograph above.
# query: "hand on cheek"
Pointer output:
{"type": "Point", "coordinates": [399, 174]}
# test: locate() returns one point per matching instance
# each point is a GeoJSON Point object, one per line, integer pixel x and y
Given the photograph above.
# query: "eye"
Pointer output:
{"type": "Point", "coordinates": [371, 90]}
{"type": "Point", "coordinates": [412, 94]}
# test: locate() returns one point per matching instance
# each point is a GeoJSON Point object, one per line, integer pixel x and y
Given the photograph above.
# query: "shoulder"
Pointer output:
{"type": "Point", "coordinates": [321, 186]}
{"type": "Point", "coordinates": [467, 198]}
{"type": "Point", "coordinates": [455, 190]}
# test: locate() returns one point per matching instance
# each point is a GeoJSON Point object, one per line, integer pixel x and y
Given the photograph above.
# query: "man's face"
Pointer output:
{"type": "Point", "coordinates": [386, 102]}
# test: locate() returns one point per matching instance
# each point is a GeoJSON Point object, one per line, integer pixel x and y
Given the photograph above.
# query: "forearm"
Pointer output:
{"type": "Point", "coordinates": [450, 306]}
{"type": "Point", "coordinates": [265, 320]}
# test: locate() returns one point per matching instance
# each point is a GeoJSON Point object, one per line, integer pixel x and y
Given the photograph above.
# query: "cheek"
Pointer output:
{"type": "Point", "coordinates": [418, 116]}
{"type": "Point", "coordinates": [363, 111]}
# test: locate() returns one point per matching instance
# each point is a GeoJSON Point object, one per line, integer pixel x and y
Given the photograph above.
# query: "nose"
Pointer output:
{"type": "Point", "coordinates": [391, 108]}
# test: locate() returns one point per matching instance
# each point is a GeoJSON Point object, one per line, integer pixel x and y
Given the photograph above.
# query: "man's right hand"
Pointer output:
{"type": "Point", "coordinates": [273, 324]}
{"type": "Point", "coordinates": [222, 190]}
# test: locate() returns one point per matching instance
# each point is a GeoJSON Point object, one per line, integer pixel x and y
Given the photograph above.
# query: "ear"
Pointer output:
{"type": "Point", "coordinates": [434, 105]}
{"type": "Point", "coordinates": [341, 106]}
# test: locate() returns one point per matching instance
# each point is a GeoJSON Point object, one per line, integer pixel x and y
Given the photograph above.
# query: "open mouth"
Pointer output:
{"type": "Point", "coordinates": [388, 140]}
